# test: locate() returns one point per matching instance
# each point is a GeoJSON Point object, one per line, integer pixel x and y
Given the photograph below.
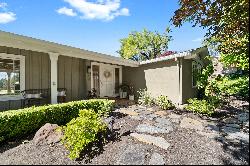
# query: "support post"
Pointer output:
{"type": "Point", "coordinates": [53, 75]}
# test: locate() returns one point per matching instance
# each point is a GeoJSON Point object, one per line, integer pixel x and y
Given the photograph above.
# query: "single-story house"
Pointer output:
{"type": "Point", "coordinates": [28, 63]}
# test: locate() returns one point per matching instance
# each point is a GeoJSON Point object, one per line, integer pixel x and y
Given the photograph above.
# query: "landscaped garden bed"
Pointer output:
{"type": "Point", "coordinates": [18, 123]}
{"type": "Point", "coordinates": [151, 135]}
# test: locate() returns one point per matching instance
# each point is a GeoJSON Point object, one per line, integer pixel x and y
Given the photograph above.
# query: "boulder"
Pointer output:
{"type": "Point", "coordinates": [156, 159]}
{"type": "Point", "coordinates": [47, 135]}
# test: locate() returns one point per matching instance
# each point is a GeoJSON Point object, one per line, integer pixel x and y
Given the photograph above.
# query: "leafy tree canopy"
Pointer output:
{"type": "Point", "coordinates": [227, 24]}
{"type": "Point", "coordinates": [144, 45]}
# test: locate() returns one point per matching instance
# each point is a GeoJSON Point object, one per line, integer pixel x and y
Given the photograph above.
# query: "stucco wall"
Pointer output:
{"type": "Point", "coordinates": [160, 78]}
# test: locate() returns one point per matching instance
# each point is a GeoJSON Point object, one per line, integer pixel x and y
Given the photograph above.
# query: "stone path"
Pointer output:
{"type": "Point", "coordinates": [156, 124]}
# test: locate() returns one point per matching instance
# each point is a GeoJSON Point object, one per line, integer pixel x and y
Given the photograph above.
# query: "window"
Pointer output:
{"type": "Point", "coordinates": [196, 69]}
{"type": "Point", "coordinates": [11, 79]}
{"type": "Point", "coordinates": [117, 80]}
{"type": "Point", "coordinates": [96, 79]}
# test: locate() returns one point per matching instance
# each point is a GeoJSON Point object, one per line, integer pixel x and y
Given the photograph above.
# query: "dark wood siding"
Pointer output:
{"type": "Point", "coordinates": [37, 67]}
{"type": "Point", "coordinates": [71, 72]}
{"type": "Point", "coordinates": [71, 75]}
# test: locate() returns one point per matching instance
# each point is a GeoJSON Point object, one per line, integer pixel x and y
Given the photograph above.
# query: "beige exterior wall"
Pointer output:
{"type": "Point", "coordinates": [160, 78]}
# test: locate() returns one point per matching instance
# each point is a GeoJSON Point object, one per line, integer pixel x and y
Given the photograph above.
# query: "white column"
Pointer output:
{"type": "Point", "coordinates": [53, 75]}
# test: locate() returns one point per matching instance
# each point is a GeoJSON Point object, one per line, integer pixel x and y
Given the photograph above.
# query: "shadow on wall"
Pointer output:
{"type": "Point", "coordinates": [159, 78]}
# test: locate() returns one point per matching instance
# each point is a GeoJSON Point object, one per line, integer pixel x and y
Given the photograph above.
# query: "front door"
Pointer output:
{"type": "Point", "coordinates": [104, 79]}
{"type": "Point", "coordinates": [107, 86]}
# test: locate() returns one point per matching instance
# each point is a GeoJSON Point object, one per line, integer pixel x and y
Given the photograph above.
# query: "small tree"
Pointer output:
{"type": "Point", "coordinates": [226, 21]}
{"type": "Point", "coordinates": [144, 45]}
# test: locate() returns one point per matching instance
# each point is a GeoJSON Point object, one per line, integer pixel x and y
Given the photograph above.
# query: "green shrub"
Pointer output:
{"type": "Point", "coordinates": [164, 103]}
{"type": "Point", "coordinates": [234, 86]}
{"type": "Point", "coordinates": [145, 98]}
{"type": "Point", "coordinates": [202, 106]}
{"type": "Point", "coordinates": [81, 131]}
{"type": "Point", "coordinates": [17, 123]}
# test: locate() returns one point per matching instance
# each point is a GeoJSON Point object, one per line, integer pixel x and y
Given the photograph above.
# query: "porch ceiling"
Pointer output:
{"type": "Point", "coordinates": [17, 41]}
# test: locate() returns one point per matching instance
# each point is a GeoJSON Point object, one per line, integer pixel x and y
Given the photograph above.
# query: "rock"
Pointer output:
{"type": "Point", "coordinates": [238, 136]}
{"type": "Point", "coordinates": [132, 155]}
{"type": "Point", "coordinates": [161, 113]}
{"type": "Point", "coordinates": [233, 125]}
{"type": "Point", "coordinates": [230, 120]}
{"type": "Point", "coordinates": [243, 117]}
{"type": "Point", "coordinates": [174, 116]}
{"type": "Point", "coordinates": [163, 121]}
{"type": "Point", "coordinates": [246, 124]}
{"type": "Point", "coordinates": [157, 141]}
{"type": "Point", "coordinates": [109, 122]}
{"type": "Point", "coordinates": [212, 127]}
{"type": "Point", "coordinates": [156, 159]}
{"type": "Point", "coordinates": [151, 109]}
{"type": "Point", "coordinates": [169, 128]}
{"type": "Point", "coordinates": [136, 117]}
{"type": "Point", "coordinates": [190, 123]}
{"type": "Point", "coordinates": [227, 130]}
{"type": "Point", "coordinates": [145, 128]}
{"type": "Point", "coordinates": [145, 113]}
{"type": "Point", "coordinates": [128, 112]}
{"type": "Point", "coordinates": [47, 135]}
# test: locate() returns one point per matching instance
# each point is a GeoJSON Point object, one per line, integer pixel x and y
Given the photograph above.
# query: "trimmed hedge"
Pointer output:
{"type": "Point", "coordinates": [17, 123]}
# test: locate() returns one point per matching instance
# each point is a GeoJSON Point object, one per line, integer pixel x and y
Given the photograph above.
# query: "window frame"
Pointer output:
{"type": "Point", "coordinates": [22, 71]}
{"type": "Point", "coordinates": [198, 68]}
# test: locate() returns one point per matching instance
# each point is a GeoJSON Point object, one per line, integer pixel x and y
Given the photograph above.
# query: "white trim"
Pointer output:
{"type": "Point", "coordinates": [53, 79]}
{"type": "Point", "coordinates": [182, 54]}
{"type": "Point", "coordinates": [191, 54]}
{"type": "Point", "coordinates": [199, 67]}
{"type": "Point", "coordinates": [22, 66]}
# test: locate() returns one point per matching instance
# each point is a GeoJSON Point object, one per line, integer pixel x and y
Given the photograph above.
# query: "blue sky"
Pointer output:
{"type": "Point", "coordinates": [95, 25]}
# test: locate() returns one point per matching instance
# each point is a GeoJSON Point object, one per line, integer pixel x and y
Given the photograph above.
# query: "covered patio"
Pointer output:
{"type": "Point", "coordinates": [47, 65]}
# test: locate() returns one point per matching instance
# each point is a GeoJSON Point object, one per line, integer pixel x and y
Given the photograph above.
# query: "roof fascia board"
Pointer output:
{"type": "Point", "coordinates": [13, 40]}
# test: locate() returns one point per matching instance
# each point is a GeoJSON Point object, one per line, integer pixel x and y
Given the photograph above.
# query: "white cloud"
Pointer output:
{"type": "Point", "coordinates": [7, 17]}
{"type": "Point", "coordinates": [100, 9]}
{"type": "Point", "coordinates": [66, 11]}
{"type": "Point", "coordinates": [197, 40]}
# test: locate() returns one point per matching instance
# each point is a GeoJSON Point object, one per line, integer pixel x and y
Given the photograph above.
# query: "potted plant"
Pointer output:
{"type": "Point", "coordinates": [131, 93]}
{"type": "Point", "coordinates": [124, 88]}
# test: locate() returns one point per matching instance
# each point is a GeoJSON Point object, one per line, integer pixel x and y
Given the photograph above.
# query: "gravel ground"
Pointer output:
{"type": "Point", "coordinates": [186, 147]}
